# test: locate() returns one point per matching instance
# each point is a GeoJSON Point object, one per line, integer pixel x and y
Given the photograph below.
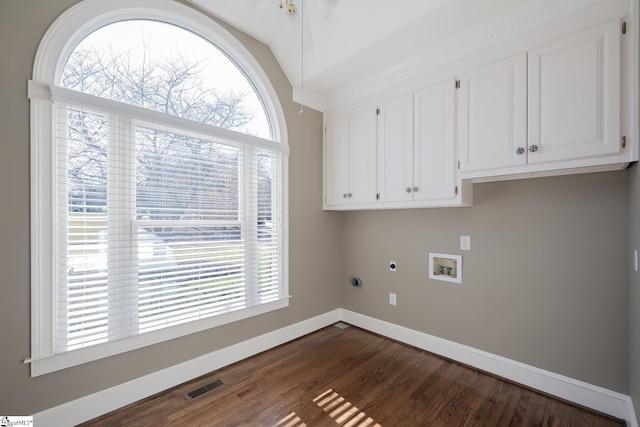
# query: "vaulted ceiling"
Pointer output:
{"type": "Point", "coordinates": [362, 40]}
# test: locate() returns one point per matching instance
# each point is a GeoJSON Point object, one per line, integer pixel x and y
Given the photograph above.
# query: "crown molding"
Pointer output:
{"type": "Point", "coordinates": [490, 33]}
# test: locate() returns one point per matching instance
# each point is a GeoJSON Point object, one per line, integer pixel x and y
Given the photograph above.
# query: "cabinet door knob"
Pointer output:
{"type": "Point", "coordinates": [415, 189]}
{"type": "Point", "coordinates": [408, 190]}
{"type": "Point", "coordinates": [519, 151]}
{"type": "Point", "coordinates": [533, 148]}
{"type": "Point", "coordinates": [350, 194]}
{"type": "Point", "coordinates": [344, 196]}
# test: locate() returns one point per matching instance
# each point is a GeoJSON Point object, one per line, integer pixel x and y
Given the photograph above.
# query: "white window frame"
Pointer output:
{"type": "Point", "coordinates": [56, 46]}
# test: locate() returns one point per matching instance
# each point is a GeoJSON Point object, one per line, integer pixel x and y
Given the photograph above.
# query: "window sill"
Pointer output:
{"type": "Point", "coordinates": [45, 364]}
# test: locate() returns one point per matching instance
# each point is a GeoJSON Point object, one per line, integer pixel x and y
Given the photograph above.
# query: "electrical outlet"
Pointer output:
{"type": "Point", "coordinates": [392, 299]}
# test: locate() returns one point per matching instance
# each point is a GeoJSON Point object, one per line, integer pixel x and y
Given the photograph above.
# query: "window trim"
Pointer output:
{"type": "Point", "coordinates": [55, 47]}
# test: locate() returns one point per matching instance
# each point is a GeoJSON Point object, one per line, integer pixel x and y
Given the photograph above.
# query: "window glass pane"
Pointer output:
{"type": "Point", "coordinates": [269, 226]}
{"type": "Point", "coordinates": [188, 274]}
{"type": "Point", "coordinates": [83, 293]}
{"type": "Point", "coordinates": [184, 178]}
{"type": "Point", "coordinates": [165, 68]}
{"type": "Point", "coordinates": [190, 239]}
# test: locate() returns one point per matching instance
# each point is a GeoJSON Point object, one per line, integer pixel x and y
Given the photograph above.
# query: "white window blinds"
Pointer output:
{"type": "Point", "coordinates": [158, 225]}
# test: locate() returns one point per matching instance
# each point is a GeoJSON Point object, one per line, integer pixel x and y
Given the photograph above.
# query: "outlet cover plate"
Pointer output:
{"type": "Point", "coordinates": [465, 243]}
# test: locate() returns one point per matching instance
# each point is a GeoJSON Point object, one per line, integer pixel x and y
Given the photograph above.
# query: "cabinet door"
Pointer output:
{"type": "Point", "coordinates": [363, 158]}
{"type": "Point", "coordinates": [336, 162]}
{"type": "Point", "coordinates": [493, 116]}
{"type": "Point", "coordinates": [395, 150]}
{"type": "Point", "coordinates": [574, 96]}
{"type": "Point", "coordinates": [434, 143]}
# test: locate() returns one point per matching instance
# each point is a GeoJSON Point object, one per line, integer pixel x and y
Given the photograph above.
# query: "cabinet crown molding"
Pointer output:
{"type": "Point", "coordinates": [490, 33]}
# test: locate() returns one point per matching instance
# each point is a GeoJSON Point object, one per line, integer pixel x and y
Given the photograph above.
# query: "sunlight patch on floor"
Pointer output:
{"type": "Point", "coordinates": [291, 420]}
{"type": "Point", "coordinates": [343, 411]}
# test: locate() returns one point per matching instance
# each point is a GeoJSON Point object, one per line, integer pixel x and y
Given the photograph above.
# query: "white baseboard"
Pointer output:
{"type": "Point", "coordinates": [585, 394]}
{"type": "Point", "coordinates": [94, 405]}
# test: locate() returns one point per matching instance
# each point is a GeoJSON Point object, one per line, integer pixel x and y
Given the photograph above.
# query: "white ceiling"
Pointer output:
{"type": "Point", "coordinates": [361, 38]}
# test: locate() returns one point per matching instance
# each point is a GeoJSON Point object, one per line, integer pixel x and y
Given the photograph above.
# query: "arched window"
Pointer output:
{"type": "Point", "coordinates": [159, 163]}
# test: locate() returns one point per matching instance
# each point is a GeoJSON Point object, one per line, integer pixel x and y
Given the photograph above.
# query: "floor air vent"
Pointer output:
{"type": "Point", "coordinates": [203, 389]}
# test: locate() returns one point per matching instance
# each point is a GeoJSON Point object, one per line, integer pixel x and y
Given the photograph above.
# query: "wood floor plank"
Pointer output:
{"type": "Point", "coordinates": [352, 378]}
{"type": "Point", "coordinates": [494, 405]}
{"type": "Point", "coordinates": [402, 385]}
{"type": "Point", "coordinates": [439, 396]}
{"type": "Point", "coordinates": [472, 397]}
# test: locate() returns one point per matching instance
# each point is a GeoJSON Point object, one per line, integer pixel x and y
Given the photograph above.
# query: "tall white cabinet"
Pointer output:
{"type": "Point", "coordinates": [336, 162]}
{"type": "Point", "coordinates": [574, 96]}
{"type": "Point", "coordinates": [416, 147]}
{"type": "Point", "coordinates": [395, 150]}
{"type": "Point", "coordinates": [434, 148]}
{"type": "Point", "coordinates": [350, 160]}
{"type": "Point", "coordinates": [492, 116]}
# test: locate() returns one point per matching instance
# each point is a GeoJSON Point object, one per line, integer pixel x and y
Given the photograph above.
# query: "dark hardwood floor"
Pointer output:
{"type": "Point", "coordinates": [352, 378]}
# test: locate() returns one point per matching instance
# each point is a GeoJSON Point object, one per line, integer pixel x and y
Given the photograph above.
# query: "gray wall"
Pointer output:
{"type": "Point", "coordinates": [546, 281]}
{"type": "Point", "coordinates": [634, 289]}
{"type": "Point", "coordinates": [314, 238]}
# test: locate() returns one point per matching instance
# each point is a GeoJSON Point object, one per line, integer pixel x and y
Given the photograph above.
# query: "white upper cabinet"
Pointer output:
{"type": "Point", "coordinates": [336, 162]}
{"type": "Point", "coordinates": [574, 96]}
{"type": "Point", "coordinates": [416, 148]}
{"type": "Point", "coordinates": [563, 101]}
{"type": "Point", "coordinates": [434, 151]}
{"type": "Point", "coordinates": [492, 116]}
{"type": "Point", "coordinates": [549, 109]}
{"type": "Point", "coordinates": [395, 150]}
{"type": "Point", "coordinates": [403, 155]}
{"type": "Point", "coordinates": [362, 157]}
{"type": "Point", "coordinates": [350, 161]}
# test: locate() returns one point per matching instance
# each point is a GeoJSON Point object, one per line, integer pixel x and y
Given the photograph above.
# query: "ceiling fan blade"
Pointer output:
{"type": "Point", "coordinates": [329, 6]}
